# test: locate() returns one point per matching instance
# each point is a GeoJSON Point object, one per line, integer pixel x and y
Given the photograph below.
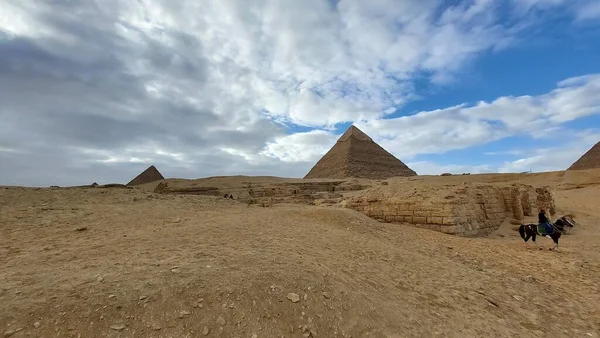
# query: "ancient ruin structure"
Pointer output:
{"type": "Point", "coordinates": [356, 155]}
{"type": "Point", "coordinates": [149, 175]}
{"type": "Point", "coordinates": [589, 160]}
{"type": "Point", "coordinates": [468, 210]}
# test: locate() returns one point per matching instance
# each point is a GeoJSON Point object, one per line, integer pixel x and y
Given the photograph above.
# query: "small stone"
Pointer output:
{"type": "Point", "coordinates": [37, 325]}
{"type": "Point", "coordinates": [293, 297]}
{"type": "Point", "coordinates": [99, 279]}
{"type": "Point", "coordinates": [305, 296]}
{"type": "Point", "coordinates": [184, 313]}
{"type": "Point", "coordinates": [175, 269]}
{"type": "Point", "coordinates": [519, 298]}
{"type": "Point", "coordinates": [9, 333]}
{"type": "Point", "coordinates": [177, 220]}
{"type": "Point", "coordinates": [82, 228]}
{"type": "Point", "coordinates": [156, 327]}
{"type": "Point", "coordinates": [325, 295]}
{"type": "Point", "coordinates": [205, 331]}
{"type": "Point", "coordinates": [118, 327]}
{"type": "Point", "coordinates": [143, 297]}
{"type": "Point", "coordinates": [221, 321]}
{"type": "Point", "coordinates": [255, 336]}
{"type": "Point", "coordinates": [111, 296]}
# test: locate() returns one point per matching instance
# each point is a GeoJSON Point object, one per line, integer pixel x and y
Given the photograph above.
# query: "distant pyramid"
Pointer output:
{"type": "Point", "coordinates": [589, 160]}
{"type": "Point", "coordinates": [356, 155]}
{"type": "Point", "coordinates": [149, 175]}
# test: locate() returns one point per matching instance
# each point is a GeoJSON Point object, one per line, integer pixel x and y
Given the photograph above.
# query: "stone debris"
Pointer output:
{"type": "Point", "coordinates": [118, 327]}
{"type": "Point", "coordinates": [37, 325]}
{"type": "Point", "coordinates": [221, 321]}
{"type": "Point", "coordinates": [293, 297]}
{"type": "Point", "coordinates": [205, 331]}
{"type": "Point", "coordinates": [143, 297]}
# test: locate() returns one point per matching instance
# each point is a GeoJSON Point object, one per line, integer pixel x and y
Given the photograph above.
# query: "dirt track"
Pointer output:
{"type": "Point", "coordinates": [148, 265]}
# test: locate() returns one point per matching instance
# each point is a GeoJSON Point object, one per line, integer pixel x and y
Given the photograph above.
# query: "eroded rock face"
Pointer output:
{"type": "Point", "coordinates": [468, 210]}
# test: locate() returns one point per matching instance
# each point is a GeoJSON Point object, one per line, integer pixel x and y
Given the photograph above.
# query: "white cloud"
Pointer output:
{"type": "Point", "coordinates": [462, 126]}
{"type": "Point", "coordinates": [557, 158]}
{"type": "Point", "coordinates": [300, 147]}
{"type": "Point", "coordinates": [205, 81]}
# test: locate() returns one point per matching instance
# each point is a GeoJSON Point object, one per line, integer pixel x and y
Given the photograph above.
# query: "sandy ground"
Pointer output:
{"type": "Point", "coordinates": [130, 263]}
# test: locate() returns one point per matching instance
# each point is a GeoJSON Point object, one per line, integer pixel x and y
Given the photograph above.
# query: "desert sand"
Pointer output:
{"type": "Point", "coordinates": [117, 262]}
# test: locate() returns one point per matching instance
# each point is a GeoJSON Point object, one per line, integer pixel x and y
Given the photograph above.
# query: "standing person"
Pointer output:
{"type": "Point", "coordinates": [544, 221]}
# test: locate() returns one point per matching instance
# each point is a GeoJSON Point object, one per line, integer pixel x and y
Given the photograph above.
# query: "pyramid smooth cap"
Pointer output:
{"type": "Point", "coordinates": [356, 133]}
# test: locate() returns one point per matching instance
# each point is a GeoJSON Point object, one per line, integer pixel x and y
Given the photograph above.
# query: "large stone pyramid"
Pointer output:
{"type": "Point", "coordinates": [589, 160]}
{"type": "Point", "coordinates": [356, 155]}
{"type": "Point", "coordinates": [149, 175]}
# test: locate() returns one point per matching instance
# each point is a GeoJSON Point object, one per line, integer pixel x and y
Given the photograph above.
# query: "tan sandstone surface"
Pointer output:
{"type": "Point", "coordinates": [294, 260]}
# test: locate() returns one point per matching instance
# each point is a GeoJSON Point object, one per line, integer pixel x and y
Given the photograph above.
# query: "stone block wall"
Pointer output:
{"type": "Point", "coordinates": [473, 210]}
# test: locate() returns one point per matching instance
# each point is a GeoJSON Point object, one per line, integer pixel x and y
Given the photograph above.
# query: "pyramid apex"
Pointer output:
{"type": "Point", "coordinates": [353, 131]}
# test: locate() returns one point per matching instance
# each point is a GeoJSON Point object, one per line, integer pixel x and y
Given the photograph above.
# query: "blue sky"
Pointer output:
{"type": "Point", "coordinates": [264, 87]}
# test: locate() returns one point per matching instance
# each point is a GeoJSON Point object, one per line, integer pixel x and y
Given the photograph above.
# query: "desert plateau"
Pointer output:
{"type": "Point", "coordinates": [293, 258]}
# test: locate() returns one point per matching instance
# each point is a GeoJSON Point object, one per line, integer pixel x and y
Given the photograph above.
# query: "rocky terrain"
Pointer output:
{"type": "Point", "coordinates": [131, 262]}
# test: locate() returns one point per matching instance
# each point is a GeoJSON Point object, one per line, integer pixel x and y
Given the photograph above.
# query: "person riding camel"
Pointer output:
{"type": "Point", "coordinates": [544, 221]}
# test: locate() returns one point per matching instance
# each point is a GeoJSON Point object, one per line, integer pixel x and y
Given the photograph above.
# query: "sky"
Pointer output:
{"type": "Point", "coordinates": [97, 91]}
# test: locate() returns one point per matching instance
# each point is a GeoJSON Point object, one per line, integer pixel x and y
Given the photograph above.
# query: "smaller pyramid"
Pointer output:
{"type": "Point", "coordinates": [589, 160]}
{"type": "Point", "coordinates": [149, 175]}
{"type": "Point", "coordinates": [356, 155]}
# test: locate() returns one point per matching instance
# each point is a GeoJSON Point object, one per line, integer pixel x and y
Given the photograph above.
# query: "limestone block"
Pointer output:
{"type": "Point", "coordinates": [419, 219]}
{"type": "Point", "coordinates": [435, 227]}
{"type": "Point", "coordinates": [448, 229]}
{"type": "Point", "coordinates": [434, 220]}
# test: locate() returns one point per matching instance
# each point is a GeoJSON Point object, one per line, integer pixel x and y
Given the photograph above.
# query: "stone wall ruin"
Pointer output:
{"type": "Point", "coordinates": [466, 210]}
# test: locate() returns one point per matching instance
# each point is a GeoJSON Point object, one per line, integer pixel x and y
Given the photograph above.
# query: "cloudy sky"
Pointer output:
{"type": "Point", "coordinates": [99, 90]}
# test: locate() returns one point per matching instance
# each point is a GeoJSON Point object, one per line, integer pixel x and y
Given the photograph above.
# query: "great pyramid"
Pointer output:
{"type": "Point", "coordinates": [589, 160]}
{"type": "Point", "coordinates": [356, 155]}
{"type": "Point", "coordinates": [149, 175]}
